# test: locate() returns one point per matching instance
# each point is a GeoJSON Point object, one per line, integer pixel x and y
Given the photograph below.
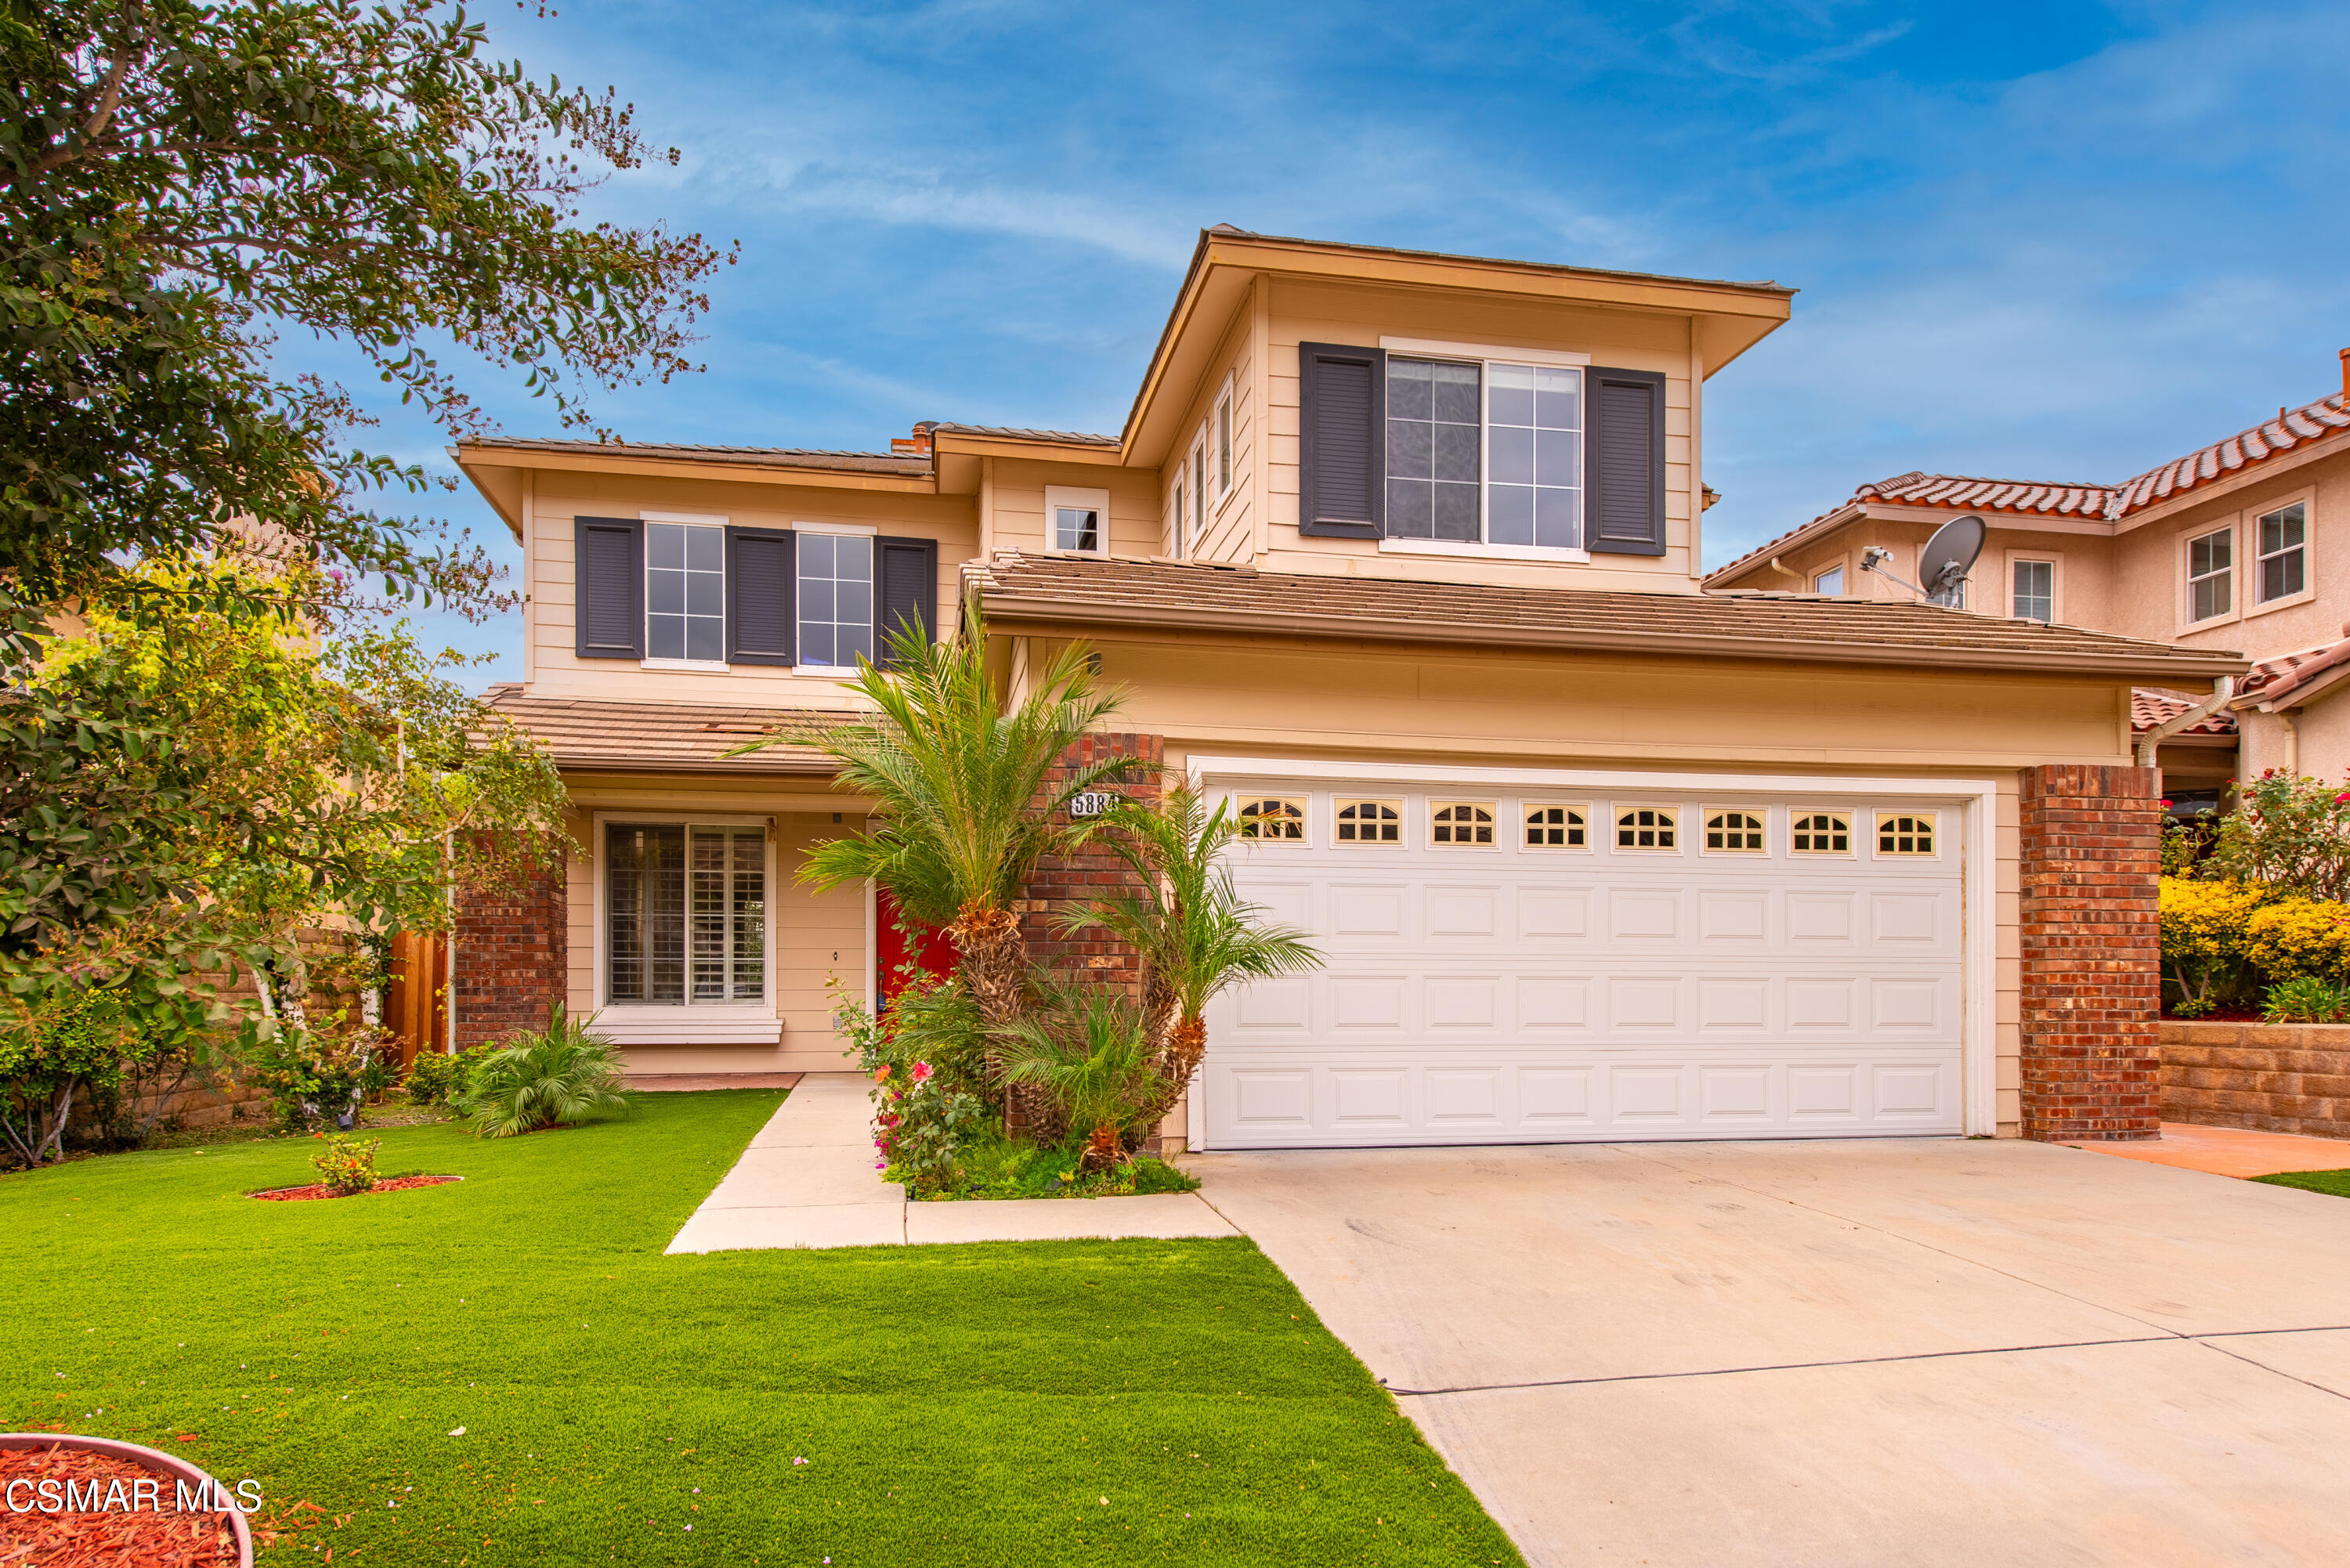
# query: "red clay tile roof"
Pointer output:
{"type": "Point", "coordinates": [1071, 589]}
{"type": "Point", "coordinates": [595, 736]}
{"type": "Point", "coordinates": [2292, 427]}
{"type": "Point", "coordinates": [2148, 708]}
{"type": "Point", "coordinates": [2272, 679]}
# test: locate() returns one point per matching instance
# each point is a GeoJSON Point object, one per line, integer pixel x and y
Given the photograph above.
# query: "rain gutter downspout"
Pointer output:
{"type": "Point", "coordinates": [2221, 689]}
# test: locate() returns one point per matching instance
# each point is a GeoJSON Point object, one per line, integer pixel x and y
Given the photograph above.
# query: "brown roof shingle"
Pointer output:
{"type": "Point", "coordinates": [592, 735]}
{"type": "Point", "coordinates": [1080, 591]}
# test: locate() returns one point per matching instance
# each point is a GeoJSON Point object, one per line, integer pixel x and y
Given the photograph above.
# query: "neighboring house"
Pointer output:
{"type": "Point", "coordinates": [2242, 545]}
{"type": "Point", "coordinates": [1398, 552]}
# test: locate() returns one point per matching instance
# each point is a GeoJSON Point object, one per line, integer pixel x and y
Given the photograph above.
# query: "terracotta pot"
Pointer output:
{"type": "Point", "coordinates": [155, 1460]}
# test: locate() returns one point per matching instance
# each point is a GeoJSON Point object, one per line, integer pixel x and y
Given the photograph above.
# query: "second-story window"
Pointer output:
{"type": "Point", "coordinates": [1488, 452]}
{"type": "Point", "coordinates": [2210, 576]}
{"type": "Point", "coordinates": [1434, 462]}
{"type": "Point", "coordinates": [836, 600]}
{"type": "Point", "coordinates": [2284, 552]}
{"type": "Point", "coordinates": [1829, 582]}
{"type": "Point", "coordinates": [2035, 591]}
{"type": "Point", "coordinates": [685, 592]}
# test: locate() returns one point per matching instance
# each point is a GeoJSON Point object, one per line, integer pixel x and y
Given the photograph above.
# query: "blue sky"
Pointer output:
{"type": "Point", "coordinates": [2050, 240]}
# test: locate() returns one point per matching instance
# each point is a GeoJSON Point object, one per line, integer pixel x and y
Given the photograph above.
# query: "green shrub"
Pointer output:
{"type": "Point", "coordinates": [437, 1077]}
{"type": "Point", "coordinates": [1088, 1049]}
{"type": "Point", "coordinates": [555, 1076]}
{"type": "Point", "coordinates": [2290, 833]}
{"type": "Point", "coordinates": [348, 1165]}
{"type": "Point", "coordinates": [2306, 999]}
{"type": "Point", "coordinates": [992, 1166]}
{"type": "Point", "coordinates": [77, 1044]}
{"type": "Point", "coordinates": [2289, 938]}
{"type": "Point", "coordinates": [315, 1075]}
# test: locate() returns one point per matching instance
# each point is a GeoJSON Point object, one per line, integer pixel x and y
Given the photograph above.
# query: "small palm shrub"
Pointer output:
{"type": "Point", "coordinates": [555, 1076]}
{"type": "Point", "coordinates": [1089, 1052]}
{"type": "Point", "coordinates": [2306, 999]}
{"type": "Point", "coordinates": [348, 1166]}
{"type": "Point", "coordinates": [437, 1077]}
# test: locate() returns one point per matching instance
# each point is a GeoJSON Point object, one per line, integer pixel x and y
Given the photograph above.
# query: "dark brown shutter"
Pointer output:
{"type": "Point", "coordinates": [608, 582]}
{"type": "Point", "coordinates": [761, 627]}
{"type": "Point", "coordinates": [1341, 440]}
{"type": "Point", "coordinates": [1624, 463]}
{"type": "Point", "coordinates": [906, 592]}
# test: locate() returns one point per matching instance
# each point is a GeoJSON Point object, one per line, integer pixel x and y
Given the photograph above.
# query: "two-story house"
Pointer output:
{"type": "Point", "coordinates": [1399, 553]}
{"type": "Point", "coordinates": [2225, 547]}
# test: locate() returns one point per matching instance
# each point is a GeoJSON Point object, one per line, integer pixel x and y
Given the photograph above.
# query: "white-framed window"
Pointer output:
{"type": "Point", "coordinates": [1557, 827]}
{"type": "Point", "coordinates": [1829, 582]}
{"type": "Point", "coordinates": [1175, 530]}
{"type": "Point", "coordinates": [685, 592]}
{"type": "Point", "coordinates": [1272, 819]}
{"type": "Point", "coordinates": [1198, 526]}
{"type": "Point", "coordinates": [1461, 824]}
{"type": "Point", "coordinates": [685, 914]}
{"type": "Point", "coordinates": [2281, 547]}
{"type": "Point", "coordinates": [1820, 833]}
{"type": "Point", "coordinates": [1369, 822]}
{"type": "Point", "coordinates": [2032, 590]}
{"type": "Point", "coordinates": [1484, 451]}
{"type": "Point", "coordinates": [836, 598]}
{"type": "Point", "coordinates": [1648, 828]}
{"type": "Point", "coordinates": [1221, 441]}
{"type": "Point", "coordinates": [1905, 832]}
{"type": "Point", "coordinates": [2211, 574]}
{"type": "Point", "coordinates": [1735, 832]}
{"type": "Point", "coordinates": [1077, 522]}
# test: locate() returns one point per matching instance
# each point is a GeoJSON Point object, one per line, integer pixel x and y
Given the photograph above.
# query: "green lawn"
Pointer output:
{"type": "Point", "coordinates": [954, 1404]}
{"type": "Point", "coordinates": [2337, 1182]}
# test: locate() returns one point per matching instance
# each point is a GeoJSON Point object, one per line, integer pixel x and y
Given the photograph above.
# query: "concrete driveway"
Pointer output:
{"type": "Point", "coordinates": [1875, 1353]}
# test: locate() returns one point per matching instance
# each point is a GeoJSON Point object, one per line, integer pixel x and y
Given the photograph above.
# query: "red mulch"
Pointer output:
{"type": "Point", "coordinates": [301, 1194]}
{"type": "Point", "coordinates": [117, 1538]}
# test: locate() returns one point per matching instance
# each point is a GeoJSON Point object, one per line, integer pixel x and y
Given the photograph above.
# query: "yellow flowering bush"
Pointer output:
{"type": "Point", "coordinates": [2204, 931]}
{"type": "Point", "coordinates": [2293, 937]}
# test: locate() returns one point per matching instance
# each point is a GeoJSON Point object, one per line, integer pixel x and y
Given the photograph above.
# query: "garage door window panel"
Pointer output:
{"type": "Point", "coordinates": [1904, 834]}
{"type": "Point", "coordinates": [1370, 822]}
{"type": "Point", "coordinates": [1821, 833]}
{"type": "Point", "coordinates": [1736, 832]}
{"type": "Point", "coordinates": [1273, 819]}
{"type": "Point", "coordinates": [1557, 827]}
{"type": "Point", "coordinates": [1461, 825]}
{"type": "Point", "coordinates": [1648, 828]}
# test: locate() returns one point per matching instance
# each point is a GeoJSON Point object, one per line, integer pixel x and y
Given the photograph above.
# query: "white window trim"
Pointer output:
{"type": "Point", "coordinates": [2235, 610]}
{"type": "Point", "coordinates": [2307, 501]}
{"type": "Point", "coordinates": [1842, 565]}
{"type": "Point", "coordinates": [1095, 501]}
{"type": "Point", "coordinates": [848, 530]}
{"type": "Point", "coordinates": [1761, 813]}
{"type": "Point", "coordinates": [867, 529]}
{"type": "Point", "coordinates": [1481, 552]}
{"type": "Point", "coordinates": [1202, 514]}
{"type": "Point", "coordinates": [1490, 351]}
{"type": "Point", "coordinates": [1224, 441]}
{"type": "Point", "coordinates": [686, 1022]}
{"type": "Point", "coordinates": [1534, 803]}
{"type": "Point", "coordinates": [2055, 561]}
{"type": "Point", "coordinates": [1486, 358]}
{"type": "Point", "coordinates": [1178, 547]}
{"type": "Point", "coordinates": [687, 666]}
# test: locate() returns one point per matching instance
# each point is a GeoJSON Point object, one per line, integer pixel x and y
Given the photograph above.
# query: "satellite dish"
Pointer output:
{"type": "Point", "coordinates": [1950, 556]}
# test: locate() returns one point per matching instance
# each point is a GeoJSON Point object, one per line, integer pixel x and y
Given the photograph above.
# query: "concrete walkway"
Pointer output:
{"type": "Point", "coordinates": [808, 1180]}
{"type": "Point", "coordinates": [1841, 1354]}
{"type": "Point", "coordinates": [2231, 1152]}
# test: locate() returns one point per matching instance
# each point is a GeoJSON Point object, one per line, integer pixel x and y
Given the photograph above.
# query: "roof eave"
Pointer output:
{"type": "Point", "coordinates": [747, 471]}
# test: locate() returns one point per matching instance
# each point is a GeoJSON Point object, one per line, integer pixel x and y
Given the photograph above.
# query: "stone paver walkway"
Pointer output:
{"type": "Point", "coordinates": [2232, 1151]}
{"type": "Point", "coordinates": [808, 1180]}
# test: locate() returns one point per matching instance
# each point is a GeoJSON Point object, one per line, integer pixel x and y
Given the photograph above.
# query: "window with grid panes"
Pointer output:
{"type": "Point", "coordinates": [1555, 828]}
{"type": "Point", "coordinates": [1648, 828]}
{"type": "Point", "coordinates": [1370, 822]}
{"type": "Point", "coordinates": [1822, 833]}
{"type": "Point", "coordinates": [685, 913]}
{"type": "Point", "coordinates": [1273, 819]}
{"type": "Point", "coordinates": [1460, 821]}
{"type": "Point", "coordinates": [1905, 834]}
{"type": "Point", "coordinates": [1740, 831]}
{"type": "Point", "coordinates": [2210, 576]}
{"type": "Point", "coordinates": [2282, 549]}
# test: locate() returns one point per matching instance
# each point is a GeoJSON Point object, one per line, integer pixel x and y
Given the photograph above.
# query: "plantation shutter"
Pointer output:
{"type": "Point", "coordinates": [905, 592]}
{"type": "Point", "coordinates": [609, 580]}
{"type": "Point", "coordinates": [760, 622]}
{"type": "Point", "coordinates": [1341, 440]}
{"type": "Point", "coordinates": [1624, 462]}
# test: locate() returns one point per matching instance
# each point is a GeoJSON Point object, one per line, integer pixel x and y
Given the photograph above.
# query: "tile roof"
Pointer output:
{"type": "Point", "coordinates": [2272, 679]}
{"type": "Point", "coordinates": [1074, 589]}
{"type": "Point", "coordinates": [593, 736]}
{"type": "Point", "coordinates": [1013, 432]}
{"type": "Point", "coordinates": [2148, 708]}
{"type": "Point", "coordinates": [688, 452]}
{"type": "Point", "coordinates": [2291, 428]}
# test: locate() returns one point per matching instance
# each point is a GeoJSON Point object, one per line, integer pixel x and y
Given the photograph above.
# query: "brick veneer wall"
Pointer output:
{"type": "Point", "coordinates": [1094, 871]}
{"type": "Point", "coordinates": [2270, 1077]}
{"type": "Point", "coordinates": [510, 957]}
{"type": "Point", "coordinates": [2091, 953]}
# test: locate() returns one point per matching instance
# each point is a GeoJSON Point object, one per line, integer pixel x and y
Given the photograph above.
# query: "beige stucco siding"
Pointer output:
{"type": "Point", "coordinates": [2150, 599]}
{"type": "Point", "coordinates": [553, 666]}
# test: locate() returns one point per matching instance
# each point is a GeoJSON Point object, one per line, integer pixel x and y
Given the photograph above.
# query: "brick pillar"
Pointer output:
{"type": "Point", "coordinates": [1093, 871]}
{"type": "Point", "coordinates": [2092, 989]}
{"type": "Point", "coordinates": [511, 955]}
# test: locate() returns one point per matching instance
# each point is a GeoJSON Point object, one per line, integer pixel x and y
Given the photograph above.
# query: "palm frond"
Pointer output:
{"type": "Point", "coordinates": [555, 1076]}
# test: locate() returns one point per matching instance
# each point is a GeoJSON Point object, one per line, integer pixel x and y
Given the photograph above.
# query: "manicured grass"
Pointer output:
{"type": "Point", "coordinates": [2337, 1183]}
{"type": "Point", "coordinates": [954, 1404]}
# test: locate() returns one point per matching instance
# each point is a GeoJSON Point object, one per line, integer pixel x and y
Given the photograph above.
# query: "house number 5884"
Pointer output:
{"type": "Point", "coordinates": [1092, 802]}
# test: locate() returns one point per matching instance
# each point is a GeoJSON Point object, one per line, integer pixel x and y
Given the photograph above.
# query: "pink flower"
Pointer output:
{"type": "Point", "coordinates": [881, 1073]}
{"type": "Point", "coordinates": [922, 1069]}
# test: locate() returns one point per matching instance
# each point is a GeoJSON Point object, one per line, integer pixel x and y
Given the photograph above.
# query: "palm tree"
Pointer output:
{"type": "Point", "coordinates": [966, 794]}
{"type": "Point", "coordinates": [1196, 935]}
{"type": "Point", "coordinates": [1089, 1052]}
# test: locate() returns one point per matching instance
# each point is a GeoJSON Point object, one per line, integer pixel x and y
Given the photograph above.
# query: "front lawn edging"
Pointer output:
{"type": "Point", "coordinates": [2264, 1078]}
{"type": "Point", "coordinates": [170, 1467]}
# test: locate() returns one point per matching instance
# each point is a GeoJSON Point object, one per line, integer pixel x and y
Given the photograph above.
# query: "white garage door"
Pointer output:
{"type": "Point", "coordinates": [1513, 966]}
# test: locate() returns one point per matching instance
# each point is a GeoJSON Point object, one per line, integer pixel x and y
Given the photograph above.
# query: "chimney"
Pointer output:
{"type": "Point", "coordinates": [919, 443]}
{"type": "Point", "coordinates": [2345, 378]}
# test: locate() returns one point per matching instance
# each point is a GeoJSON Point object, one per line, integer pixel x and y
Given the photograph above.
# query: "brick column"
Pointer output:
{"type": "Point", "coordinates": [1091, 873]}
{"type": "Point", "coordinates": [510, 953]}
{"type": "Point", "coordinates": [2092, 990]}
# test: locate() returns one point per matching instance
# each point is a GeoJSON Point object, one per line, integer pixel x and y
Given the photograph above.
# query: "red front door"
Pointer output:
{"type": "Point", "coordinates": [895, 948]}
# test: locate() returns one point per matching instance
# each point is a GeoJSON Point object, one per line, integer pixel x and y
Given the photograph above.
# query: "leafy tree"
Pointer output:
{"type": "Point", "coordinates": [2293, 833]}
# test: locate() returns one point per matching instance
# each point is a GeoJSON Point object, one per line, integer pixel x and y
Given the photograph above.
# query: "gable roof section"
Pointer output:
{"type": "Point", "coordinates": [2292, 679]}
{"type": "Point", "coordinates": [1019, 588]}
{"type": "Point", "coordinates": [595, 736]}
{"type": "Point", "coordinates": [2110, 503]}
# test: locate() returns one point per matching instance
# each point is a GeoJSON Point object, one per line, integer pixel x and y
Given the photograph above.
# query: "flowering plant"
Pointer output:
{"type": "Point", "coordinates": [348, 1165]}
{"type": "Point", "coordinates": [923, 1055]}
